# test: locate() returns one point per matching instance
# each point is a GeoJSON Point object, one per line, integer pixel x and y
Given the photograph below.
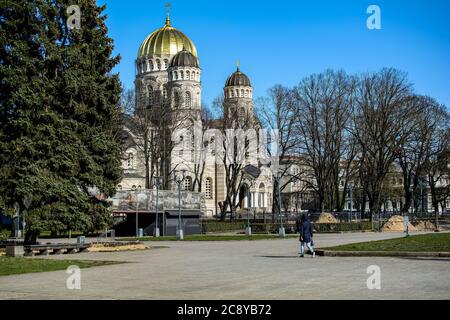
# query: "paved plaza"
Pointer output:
{"type": "Point", "coordinates": [264, 269]}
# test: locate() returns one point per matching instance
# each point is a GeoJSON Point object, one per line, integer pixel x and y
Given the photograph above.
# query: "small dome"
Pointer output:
{"type": "Point", "coordinates": [184, 59]}
{"type": "Point", "coordinates": [238, 79]}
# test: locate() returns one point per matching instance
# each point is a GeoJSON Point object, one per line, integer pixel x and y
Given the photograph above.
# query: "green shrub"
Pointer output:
{"type": "Point", "coordinates": [4, 234]}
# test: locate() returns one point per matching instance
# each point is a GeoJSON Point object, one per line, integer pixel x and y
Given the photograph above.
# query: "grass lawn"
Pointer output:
{"type": "Point", "coordinates": [11, 265]}
{"type": "Point", "coordinates": [434, 242]}
{"type": "Point", "coordinates": [212, 237]}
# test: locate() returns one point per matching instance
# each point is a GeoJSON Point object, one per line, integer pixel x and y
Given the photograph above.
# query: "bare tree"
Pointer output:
{"type": "Point", "coordinates": [417, 149]}
{"type": "Point", "coordinates": [380, 117]}
{"type": "Point", "coordinates": [322, 111]}
{"type": "Point", "coordinates": [155, 120]}
{"type": "Point", "coordinates": [277, 112]}
{"type": "Point", "coordinates": [233, 148]}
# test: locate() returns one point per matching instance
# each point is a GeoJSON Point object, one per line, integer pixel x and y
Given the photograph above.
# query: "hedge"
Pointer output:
{"type": "Point", "coordinates": [222, 226]}
{"type": "Point", "coordinates": [342, 227]}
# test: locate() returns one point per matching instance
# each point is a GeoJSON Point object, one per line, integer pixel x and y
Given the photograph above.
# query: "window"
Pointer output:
{"type": "Point", "coordinates": [187, 183]}
{"type": "Point", "coordinates": [242, 92]}
{"type": "Point", "coordinates": [164, 92]}
{"type": "Point", "coordinates": [208, 188]}
{"type": "Point", "coordinates": [130, 161]}
{"type": "Point", "coordinates": [166, 63]}
{"type": "Point", "coordinates": [261, 198]}
{"type": "Point", "coordinates": [151, 65]}
{"type": "Point", "coordinates": [158, 63]}
{"type": "Point", "coordinates": [119, 187]}
{"type": "Point", "coordinates": [177, 99]}
{"type": "Point", "coordinates": [181, 75]}
{"type": "Point", "coordinates": [188, 75]}
{"type": "Point", "coordinates": [150, 95]}
{"type": "Point", "coordinates": [188, 99]}
{"type": "Point", "coordinates": [175, 75]}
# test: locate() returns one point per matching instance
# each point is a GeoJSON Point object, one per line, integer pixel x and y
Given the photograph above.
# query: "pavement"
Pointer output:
{"type": "Point", "coordinates": [260, 270]}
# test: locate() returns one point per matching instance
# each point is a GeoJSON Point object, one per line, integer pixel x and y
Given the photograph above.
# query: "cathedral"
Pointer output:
{"type": "Point", "coordinates": [168, 75]}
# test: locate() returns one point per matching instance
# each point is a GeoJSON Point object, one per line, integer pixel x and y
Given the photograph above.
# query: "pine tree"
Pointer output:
{"type": "Point", "coordinates": [60, 120]}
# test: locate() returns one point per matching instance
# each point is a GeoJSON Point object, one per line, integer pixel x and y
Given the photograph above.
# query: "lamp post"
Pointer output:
{"type": "Point", "coordinates": [350, 186]}
{"type": "Point", "coordinates": [248, 230]}
{"type": "Point", "coordinates": [158, 182]}
{"type": "Point", "coordinates": [137, 212]}
{"type": "Point", "coordinates": [179, 181]}
{"type": "Point", "coordinates": [282, 231]}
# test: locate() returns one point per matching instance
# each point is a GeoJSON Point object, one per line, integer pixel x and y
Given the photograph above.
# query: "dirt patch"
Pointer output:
{"type": "Point", "coordinates": [105, 247]}
{"type": "Point", "coordinates": [327, 218]}
{"type": "Point", "coordinates": [395, 223]}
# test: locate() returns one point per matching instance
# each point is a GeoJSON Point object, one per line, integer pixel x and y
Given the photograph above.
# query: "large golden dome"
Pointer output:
{"type": "Point", "coordinates": [166, 40]}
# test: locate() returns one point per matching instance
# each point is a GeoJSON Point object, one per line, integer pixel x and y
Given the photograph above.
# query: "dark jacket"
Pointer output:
{"type": "Point", "coordinates": [306, 231]}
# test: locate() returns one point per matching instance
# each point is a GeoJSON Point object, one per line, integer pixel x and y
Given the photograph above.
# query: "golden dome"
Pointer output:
{"type": "Point", "coordinates": [166, 40]}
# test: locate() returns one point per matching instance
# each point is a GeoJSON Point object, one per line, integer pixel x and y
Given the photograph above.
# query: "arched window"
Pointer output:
{"type": "Point", "coordinates": [164, 92]}
{"type": "Point", "coordinates": [151, 65]}
{"type": "Point", "coordinates": [150, 95]}
{"type": "Point", "coordinates": [237, 93]}
{"type": "Point", "coordinates": [187, 183]}
{"type": "Point", "coordinates": [262, 194]}
{"type": "Point", "coordinates": [166, 63]}
{"type": "Point", "coordinates": [188, 99]}
{"type": "Point", "coordinates": [181, 75]}
{"type": "Point", "coordinates": [193, 76]}
{"type": "Point", "coordinates": [188, 75]}
{"type": "Point", "coordinates": [119, 187]}
{"type": "Point", "coordinates": [177, 99]}
{"type": "Point", "coordinates": [242, 93]}
{"type": "Point", "coordinates": [246, 93]}
{"type": "Point", "coordinates": [175, 75]}
{"type": "Point", "coordinates": [130, 160]}
{"type": "Point", "coordinates": [158, 64]}
{"type": "Point", "coordinates": [208, 188]}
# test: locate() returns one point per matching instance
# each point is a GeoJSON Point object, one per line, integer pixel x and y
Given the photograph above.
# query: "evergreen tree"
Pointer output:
{"type": "Point", "coordinates": [60, 121]}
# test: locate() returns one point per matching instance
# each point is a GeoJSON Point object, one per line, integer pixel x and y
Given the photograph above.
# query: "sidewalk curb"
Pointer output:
{"type": "Point", "coordinates": [330, 253]}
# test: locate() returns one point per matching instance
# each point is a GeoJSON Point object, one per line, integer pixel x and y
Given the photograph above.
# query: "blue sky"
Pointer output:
{"type": "Point", "coordinates": [280, 42]}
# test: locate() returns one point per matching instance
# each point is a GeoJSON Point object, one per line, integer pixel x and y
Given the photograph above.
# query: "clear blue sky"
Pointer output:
{"type": "Point", "coordinates": [280, 42]}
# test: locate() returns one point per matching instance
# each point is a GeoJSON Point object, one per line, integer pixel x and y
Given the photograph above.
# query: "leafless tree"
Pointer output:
{"type": "Point", "coordinates": [417, 149]}
{"type": "Point", "coordinates": [380, 116]}
{"type": "Point", "coordinates": [322, 111]}
{"type": "Point", "coordinates": [277, 112]}
{"type": "Point", "coordinates": [233, 150]}
{"type": "Point", "coordinates": [154, 122]}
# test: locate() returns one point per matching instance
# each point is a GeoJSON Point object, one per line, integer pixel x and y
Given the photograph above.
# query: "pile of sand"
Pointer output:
{"type": "Point", "coordinates": [424, 225]}
{"type": "Point", "coordinates": [395, 223]}
{"type": "Point", "coordinates": [327, 218]}
{"type": "Point", "coordinates": [103, 247]}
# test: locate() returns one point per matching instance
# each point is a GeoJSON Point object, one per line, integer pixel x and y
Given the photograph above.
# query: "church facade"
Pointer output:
{"type": "Point", "coordinates": [168, 75]}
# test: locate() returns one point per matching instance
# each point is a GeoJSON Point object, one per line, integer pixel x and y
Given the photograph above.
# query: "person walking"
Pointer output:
{"type": "Point", "coordinates": [306, 235]}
